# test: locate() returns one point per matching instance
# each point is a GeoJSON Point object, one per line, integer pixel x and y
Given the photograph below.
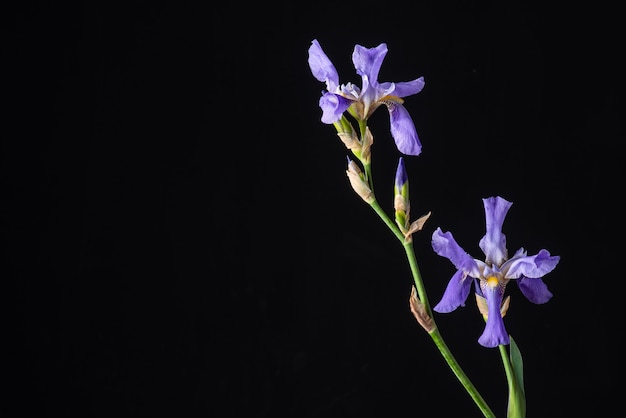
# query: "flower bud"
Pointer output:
{"type": "Point", "coordinates": [402, 204]}
{"type": "Point", "coordinates": [358, 182]}
{"type": "Point", "coordinates": [401, 197]}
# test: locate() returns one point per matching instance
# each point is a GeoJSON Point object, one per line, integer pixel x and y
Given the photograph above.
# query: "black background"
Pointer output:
{"type": "Point", "coordinates": [180, 238]}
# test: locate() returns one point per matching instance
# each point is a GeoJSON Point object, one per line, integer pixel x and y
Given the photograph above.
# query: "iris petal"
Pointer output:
{"type": "Point", "coordinates": [493, 243]}
{"type": "Point", "coordinates": [494, 333]}
{"type": "Point", "coordinates": [535, 290]}
{"type": "Point", "coordinates": [367, 61]}
{"type": "Point", "coordinates": [409, 88]}
{"type": "Point", "coordinates": [333, 106]}
{"type": "Point", "coordinates": [321, 66]}
{"type": "Point", "coordinates": [445, 246]}
{"type": "Point", "coordinates": [455, 294]}
{"type": "Point", "coordinates": [403, 130]}
{"type": "Point", "coordinates": [532, 266]}
{"type": "Point", "coordinates": [386, 89]}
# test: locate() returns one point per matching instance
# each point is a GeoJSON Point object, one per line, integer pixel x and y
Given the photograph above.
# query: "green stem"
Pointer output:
{"type": "Point", "coordinates": [390, 224]}
{"type": "Point", "coordinates": [417, 275]}
{"type": "Point", "coordinates": [507, 365]}
{"type": "Point", "coordinates": [460, 374]}
{"type": "Point", "coordinates": [368, 175]}
{"type": "Point", "coordinates": [435, 334]}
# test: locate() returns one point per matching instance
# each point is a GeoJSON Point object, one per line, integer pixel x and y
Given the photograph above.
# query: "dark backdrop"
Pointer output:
{"type": "Point", "coordinates": [181, 239]}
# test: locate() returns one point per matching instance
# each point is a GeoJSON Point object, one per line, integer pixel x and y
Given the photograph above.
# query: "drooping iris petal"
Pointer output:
{"type": "Point", "coordinates": [534, 289]}
{"type": "Point", "coordinates": [494, 332]}
{"type": "Point", "coordinates": [333, 106]}
{"type": "Point", "coordinates": [403, 130]}
{"type": "Point", "coordinates": [493, 243]}
{"type": "Point", "coordinates": [445, 246]}
{"type": "Point", "coordinates": [531, 266]}
{"type": "Point", "coordinates": [321, 66]}
{"type": "Point", "coordinates": [455, 294]}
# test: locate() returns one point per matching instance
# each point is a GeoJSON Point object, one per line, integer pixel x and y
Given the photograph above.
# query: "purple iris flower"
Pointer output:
{"type": "Point", "coordinates": [492, 275]}
{"type": "Point", "coordinates": [362, 102]}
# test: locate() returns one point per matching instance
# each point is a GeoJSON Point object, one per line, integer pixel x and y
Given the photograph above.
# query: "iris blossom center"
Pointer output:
{"type": "Point", "coordinates": [492, 281]}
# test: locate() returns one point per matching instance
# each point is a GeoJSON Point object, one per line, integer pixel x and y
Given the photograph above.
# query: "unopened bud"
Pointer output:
{"type": "Point", "coordinates": [357, 180]}
{"type": "Point", "coordinates": [401, 202]}
{"type": "Point", "coordinates": [402, 205]}
{"type": "Point", "coordinates": [401, 184]}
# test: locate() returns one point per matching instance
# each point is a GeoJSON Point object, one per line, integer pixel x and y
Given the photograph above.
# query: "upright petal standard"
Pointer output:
{"type": "Point", "coordinates": [491, 276]}
{"type": "Point", "coordinates": [362, 102]}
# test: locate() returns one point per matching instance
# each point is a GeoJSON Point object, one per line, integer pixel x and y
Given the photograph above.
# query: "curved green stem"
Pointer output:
{"type": "Point", "coordinates": [438, 338]}
{"type": "Point", "coordinates": [460, 374]}
{"type": "Point", "coordinates": [434, 334]}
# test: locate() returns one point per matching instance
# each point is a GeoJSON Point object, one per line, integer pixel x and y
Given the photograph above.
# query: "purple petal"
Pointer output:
{"type": "Point", "coordinates": [477, 288]}
{"type": "Point", "coordinates": [321, 67]}
{"type": "Point", "coordinates": [493, 243]}
{"type": "Point", "coordinates": [367, 61]}
{"type": "Point", "coordinates": [455, 294]}
{"type": "Point", "coordinates": [534, 289]}
{"type": "Point", "coordinates": [532, 266]}
{"type": "Point", "coordinates": [409, 88]}
{"type": "Point", "coordinates": [494, 333]}
{"type": "Point", "coordinates": [445, 246]}
{"type": "Point", "coordinates": [333, 106]}
{"type": "Point", "coordinates": [403, 130]}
